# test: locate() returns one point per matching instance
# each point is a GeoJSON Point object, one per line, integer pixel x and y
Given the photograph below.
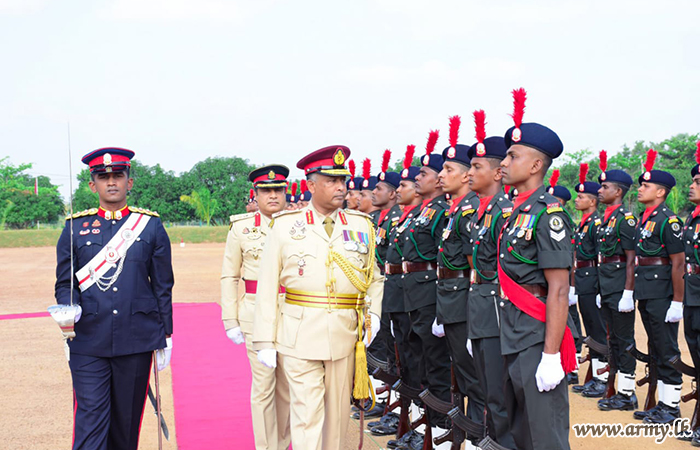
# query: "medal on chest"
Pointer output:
{"type": "Point", "coordinates": [301, 264]}
{"type": "Point", "coordinates": [356, 241]}
{"type": "Point", "coordinates": [448, 229]}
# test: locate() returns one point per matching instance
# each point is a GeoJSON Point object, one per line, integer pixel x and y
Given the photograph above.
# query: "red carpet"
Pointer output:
{"type": "Point", "coordinates": [24, 315]}
{"type": "Point", "coordinates": [211, 382]}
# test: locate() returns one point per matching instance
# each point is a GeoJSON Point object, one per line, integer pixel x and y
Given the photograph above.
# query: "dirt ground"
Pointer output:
{"type": "Point", "coordinates": [35, 384]}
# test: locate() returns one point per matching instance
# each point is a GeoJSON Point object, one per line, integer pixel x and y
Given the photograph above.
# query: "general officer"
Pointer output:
{"type": "Point", "coordinates": [419, 250]}
{"type": "Point", "coordinates": [454, 247]}
{"type": "Point", "coordinates": [659, 285]}
{"type": "Point", "coordinates": [324, 257]}
{"type": "Point", "coordinates": [616, 255]}
{"type": "Point", "coordinates": [484, 294]}
{"type": "Point", "coordinates": [533, 270]}
{"type": "Point", "coordinates": [691, 309]}
{"type": "Point", "coordinates": [269, 391]}
{"type": "Point", "coordinates": [584, 286]}
{"type": "Point", "coordinates": [123, 285]}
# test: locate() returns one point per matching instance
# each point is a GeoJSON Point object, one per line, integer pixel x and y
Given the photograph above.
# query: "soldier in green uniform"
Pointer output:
{"type": "Point", "coordinates": [483, 329]}
{"type": "Point", "coordinates": [659, 285]}
{"type": "Point", "coordinates": [453, 269]}
{"type": "Point", "coordinates": [691, 310]}
{"type": "Point", "coordinates": [535, 256]}
{"type": "Point", "coordinates": [584, 286]}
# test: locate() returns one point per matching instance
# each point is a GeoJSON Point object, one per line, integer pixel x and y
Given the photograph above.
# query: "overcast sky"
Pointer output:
{"type": "Point", "coordinates": [180, 80]}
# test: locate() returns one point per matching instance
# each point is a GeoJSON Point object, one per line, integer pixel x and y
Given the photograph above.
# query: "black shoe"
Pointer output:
{"type": "Point", "coordinates": [619, 402]}
{"type": "Point", "coordinates": [415, 443]}
{"type": "Point", "coordinates": [387, 418]}
{"type": "Point", "coordinates": [582, 387]}
{"type": "Point", "coordinates": [388, 424]}
{"type": "Point", "coordinates": [685, 436]}
{"type": "Point", "coordinates": [572, 378]}
{"type": "Point", "coordinates": [377, 411]}
{"type": "Point", "coordinates": [394, 443]}
{"type": "Point", "coordinates": [596, 390]}
{"type": "Point", "coordinates": [665, 414]}
{"type": "Point", "coordinates": [640, 415]}
{"type": "Point", "coordinates": [696, 438]}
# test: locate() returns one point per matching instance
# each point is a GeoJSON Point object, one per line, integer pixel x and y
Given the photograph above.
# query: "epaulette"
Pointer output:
{"type": "Point", "coordinates": [357, 213]}
{"type": "Point", "coordinates": [285, 212]}
{"type": "Point", "coordinates": [148, 212]}
{"type": "Point", "coordinates": [87, 212]}
{"type": "Point", "coordinates": [673, 219]}
{"type": "Point", "coordinates": [237, 217]}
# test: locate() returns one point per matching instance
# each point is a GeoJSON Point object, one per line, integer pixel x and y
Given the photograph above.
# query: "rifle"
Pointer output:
{"type": "Point", "coordinates": [413, 394]}
{"type": "Point", "coordinates": [650, 376]}
{"type": "Point", "coordinates": [454, 434]}
{"type": "Point", "coordinates": [692, 372]}
{"type": "Point", "coordinates": [612, 365]}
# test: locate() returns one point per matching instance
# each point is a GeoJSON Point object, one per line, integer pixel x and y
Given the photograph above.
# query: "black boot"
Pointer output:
{"type": "Point", "coordinates": [582, 387]}
{"type": "Point", "coordinates": [394, 443]}
{"type": "Point", "coordinates": [572, 378]}
{"type": "Point", "coordinates": [620, 402]}
{"type": "Point", "coordinates": [664, 414]}
{"type": "Point", "coordinates": [377, 411]}
{"type": "Point", "coordinates": [640, 415]}
{"type": "Point", "coordinates": [696, 438]}
{"type": "Point", "coordinates": [596, 390]}
{"type": "Point", "coordinates": [389, 424]}
{"type": "Point", "coordinates": [415, 443]}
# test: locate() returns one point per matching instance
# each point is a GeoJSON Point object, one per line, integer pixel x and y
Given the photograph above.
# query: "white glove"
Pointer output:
{"type": "Point", "coordinates": [235, 335]}
{"type": "Point", "coordinates": [391, 327]}
{"type": "Point", "coordinates": [626, 303]}
{"type": "Point", "coordinates": [469, 348]}
{"type": "Point", "coordinates": [438, 330]}
{"type": "Point", "coordinates": [375, 325]}
{"type": "Point", "coordinates": [268, 357]}
{"type": "Point", "coordinates": [675, 312]}
{"type": "Point", "coordinates": [597, 301]}
{"type": "Point", "coordinates": [549, 372]}
{"type": "Point", "coordinates": [573, 298]}
{"type": "Point", "coordinates": [163, 354]}
{"type": "Point", "coordinates": [79, 313]}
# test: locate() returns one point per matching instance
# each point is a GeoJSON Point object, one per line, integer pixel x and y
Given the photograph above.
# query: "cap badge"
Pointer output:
{"type": "Point", "coordinates": [382, 176]}
{"type": "Point", "coordinates": [404, 173]}
{"type": "Point", "coordinates": [339, 158]}
{"type": "Point", "coordinates": [517, 135]}
{"type": "Point", "coordinates": [580, 187]}
{"type": "Point", "coordinates": [603, 176]}
{"type": "Point", "coordinates": [480, 149]}
{"type": "Point", "coordinates": [451, 153]}
{"type": "Point", "coordinates": [271, 175]}
{"type": "Point", "coordinates": [351, 185]}
{"type": "Point", "coordinates": [647, 176]}
{"type": "Point", "coordinates": [365, 183]}
{"type": "Point", "coordinates": [551, 190]}
{"type": "Point", "coordinates": [107, 159]}
{"type": "Point", "coordinates": [426, 160]}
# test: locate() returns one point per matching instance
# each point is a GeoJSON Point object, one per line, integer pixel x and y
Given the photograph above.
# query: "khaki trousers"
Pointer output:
{"type": "Point", "coordinates": [269, 403]}
{"type": "Point", "coordinates": [320, 401]}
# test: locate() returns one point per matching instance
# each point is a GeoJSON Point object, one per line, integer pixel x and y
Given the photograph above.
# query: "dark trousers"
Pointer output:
{"type": "Point", "coordinates": [382, 346]}
{"type": "Point", "coordinates": [465, 369]}
{"type": "Point", "coordinates": [538, 420]}
{"type": "Point", "coordinates": [620, 333]}
{"type": "Point", "coordinates": [490, 368]}
{"type": "Point", "coordinates": [593, 322]}
{"type": "Point", "coordinates": [691, 328]}
{"type": "Point", "coordinates": [573, 312]}
{"type": "Point", "coordinates": [409, 348]}
{"type": "Point", "coordinates": [436, 358]}
{"type": "Point", "coordinates": [663, 337]}
{"type": "Point", "coordinates": [110, 395]}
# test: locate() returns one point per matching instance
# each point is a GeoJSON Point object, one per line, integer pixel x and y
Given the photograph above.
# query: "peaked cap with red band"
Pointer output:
{"type": "Point", "coordinates": [272, 176]}
{"type": "Point", "coordinates": [329, 161]}
{"type": "Point", "coordinates": [108, 159]}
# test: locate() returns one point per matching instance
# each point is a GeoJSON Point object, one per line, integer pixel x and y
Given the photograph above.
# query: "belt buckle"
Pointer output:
{"type": "Point", "coordinates": [636, 260]}
{"type": "Point", "coordinates": [689, 269]}
{"type": "Point", "coordinates": [472, 276]}
{"type": "Point", "coordinates": [404, 266]}
{"type": "Point", "coordinates": [600, 259]}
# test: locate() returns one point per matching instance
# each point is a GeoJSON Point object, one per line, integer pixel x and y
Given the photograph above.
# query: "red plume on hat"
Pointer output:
{"type": "Point", "coordinates": [554, 178]}
{"type": "Point", "coordinates": [432, 140]}
{"type": "Point", "coordinates": [366, 168]}
{"type": "Point", "coordinates": [582, 173]}
{"type": "Point", "coordinates": [303, 186]}
{"type": "Point", "coordinates": [351, 168]}
{"type": "Point", "coordinates": [455, 122]}
{"type": "Point", "coordinates": [294, 188]}
{"type": "Point", "coordinates": [252, 194]}
{"type": "Point", "coordinates": [697, 153]}
{"type": "Point", "coordinates": [603, 160]}
{"type": "Point", "coordinates": [408, 159]}
{"type": "Point", "coordinates": [386, 157]}
{"type": "Point", "coordinates": [480, 125]}
{"type": "Point", "coordinates": [651, 159]}
{"type": "Point", "coordinates": [519, 97]}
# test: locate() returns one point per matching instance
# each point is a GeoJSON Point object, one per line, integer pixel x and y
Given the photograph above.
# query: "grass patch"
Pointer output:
{"type": "Point", "coordinates": [49, 237]}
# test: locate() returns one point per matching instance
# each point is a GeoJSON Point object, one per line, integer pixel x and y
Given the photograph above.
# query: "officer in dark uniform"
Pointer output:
{"type": "Point", "coordinates": [366, 205]}
{"type": "Point", "coordinates": [691, 310]}
{"type": "Point", "coordinates": [616, 254]}
{"type": "Point", "coordinates": [584, 286]}
{"type": "Point", "coordinates": [453, 268]}
{"type": "Point", "coordinates": [419, 283]}
{"type": "Point", "coordinates": [535, 259]}
{"type": "Point", "coordinates": [484, 294]}
{"type": "Point", "coordinates": [659, 285]}
{"type": "Point", "coordinates": [123, 284]}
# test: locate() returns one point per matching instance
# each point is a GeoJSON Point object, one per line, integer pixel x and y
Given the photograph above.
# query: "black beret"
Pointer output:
{"type": "Point", "coordinates": [658, 177]}
{"type": "Point", "coordinates": [616, 176]}
{"type": "Point", "coordinates": [493, 147]}
{"type": "Point", "coordinates": [560, 192]}
{"type": "Point", "coordinates": [459, 153]}
{"type": "Point", "coordinates": [536, 136]}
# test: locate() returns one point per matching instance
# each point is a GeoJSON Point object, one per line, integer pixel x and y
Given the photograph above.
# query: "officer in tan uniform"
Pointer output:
{"type": "Point", "coordinates": [269, 393]}
{"type": "Point", "coordinates": [324, 257]}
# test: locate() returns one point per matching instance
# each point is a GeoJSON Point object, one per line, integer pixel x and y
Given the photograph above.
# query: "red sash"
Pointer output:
{"type": "Point", "coordinates": [530, 305]}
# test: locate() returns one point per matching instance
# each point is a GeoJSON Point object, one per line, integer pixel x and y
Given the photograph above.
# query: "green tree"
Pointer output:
{"type": "Point", "coordinates": [204, 205]}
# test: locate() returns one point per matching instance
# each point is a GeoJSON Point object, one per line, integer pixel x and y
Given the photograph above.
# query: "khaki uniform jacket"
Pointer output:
{"type": "Point", "coordinates": [244, 246]}
{"type": "Point", "coordinates": [296, 257]}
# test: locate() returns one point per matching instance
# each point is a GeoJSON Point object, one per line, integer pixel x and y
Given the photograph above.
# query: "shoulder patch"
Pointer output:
{"type": "Point", "coordinates": [553, 207]}
{"type": "Point", "coordinates": [673, 219]}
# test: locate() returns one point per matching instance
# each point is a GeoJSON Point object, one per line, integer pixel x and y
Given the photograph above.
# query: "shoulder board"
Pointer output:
{"type": "Point", "coordinates": [86, 212]}
{"type": "Point", "coordinates": [597, 222]}
{"type": "Point", "coordinates": [629, 215]}
{"type": "Point", "coordinates": [237, 217]}
{"type": "Point", "coordinates": [283, 213]}
{"type": "Point", "coordinates": [673, 219]}
{"type": "Point", "coordinates": [354, 212]}
{"type": "Point", "coordinates": [554, 207]}
{"type": "Point", "coordinates": [148, 212]}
